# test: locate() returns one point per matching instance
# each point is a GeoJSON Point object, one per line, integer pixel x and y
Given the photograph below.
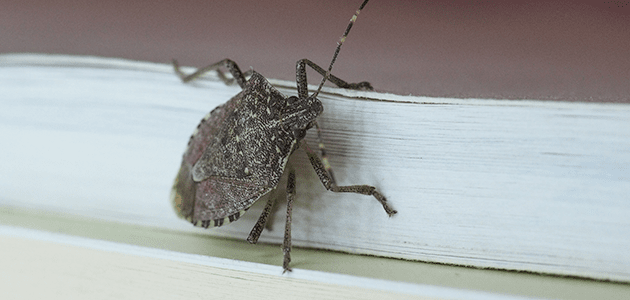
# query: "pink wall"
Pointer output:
{"type": "Point", "coordinates": [557, 50]}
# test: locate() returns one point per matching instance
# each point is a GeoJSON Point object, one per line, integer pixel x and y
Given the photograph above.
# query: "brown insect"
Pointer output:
{"type": "Point", "coordinates": [239, 151]}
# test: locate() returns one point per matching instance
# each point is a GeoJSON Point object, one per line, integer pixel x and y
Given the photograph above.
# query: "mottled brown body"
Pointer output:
{"type": "Point", "coordinates": [240, 150]}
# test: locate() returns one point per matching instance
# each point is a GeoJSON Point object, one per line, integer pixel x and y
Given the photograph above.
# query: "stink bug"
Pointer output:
{"type": "Point", "coordinates": [239, 151]}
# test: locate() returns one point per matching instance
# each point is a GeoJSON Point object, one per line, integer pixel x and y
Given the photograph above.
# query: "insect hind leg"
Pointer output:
{"type": "Point", "coordinates": [229, 64]}
{"type": "Point", "coordinates": [331, 185]}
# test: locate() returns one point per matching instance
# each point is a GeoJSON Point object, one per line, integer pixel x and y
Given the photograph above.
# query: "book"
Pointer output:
{"type": "Point", "coordinates": [534, 186]}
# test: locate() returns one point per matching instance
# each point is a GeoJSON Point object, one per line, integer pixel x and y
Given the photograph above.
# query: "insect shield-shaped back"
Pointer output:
{"type": "Point", "coordinates": [239, 151]}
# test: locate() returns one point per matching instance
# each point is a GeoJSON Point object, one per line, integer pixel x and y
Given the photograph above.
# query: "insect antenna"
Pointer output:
{"type": "Point", "coordinates": [341, 40]}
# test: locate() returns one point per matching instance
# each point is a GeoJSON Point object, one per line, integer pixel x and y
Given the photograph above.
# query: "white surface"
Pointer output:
{"type": "Point", "coordinates": [250, 269]}
{"type": "Point", "coordinates": [523, 185]}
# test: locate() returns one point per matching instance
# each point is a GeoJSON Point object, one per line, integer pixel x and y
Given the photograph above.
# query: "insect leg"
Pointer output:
{"type": "Point", "coordinates": [286, 245]}
{"type": "Point", "coordinates": [330, 185]}
{"type": "Point", "coordinates": [229, 64]}
{"type": "Point", "coordinates": [302, 84]}
{"type": "Point", "coordinates": [322, 151]}
{"type": "Point", "coordinates": [262, 220]}
{"type": "Point", "coordinates": [275, 194]}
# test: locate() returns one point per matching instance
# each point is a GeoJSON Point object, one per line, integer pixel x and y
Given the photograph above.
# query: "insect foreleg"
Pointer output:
{"type": "Point", "coordinates": [302, 84]}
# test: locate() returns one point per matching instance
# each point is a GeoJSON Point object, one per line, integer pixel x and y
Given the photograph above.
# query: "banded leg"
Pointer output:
{"type": "Point", "coordinates": [330, 185]}
{"type": "Point", "coordinates": [286, 244]}
{"type": "Point", "coordinates": [262, 220]}
{"type": "Point", "coordinates": [229, 64]}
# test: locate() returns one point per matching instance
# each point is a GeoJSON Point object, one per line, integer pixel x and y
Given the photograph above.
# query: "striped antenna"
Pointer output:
{"type": "Point", "coordinates": [343, 39]}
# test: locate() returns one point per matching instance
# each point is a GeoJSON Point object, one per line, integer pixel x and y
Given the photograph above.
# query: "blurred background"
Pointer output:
{"type": "Point", "coordinates": [546, 50]}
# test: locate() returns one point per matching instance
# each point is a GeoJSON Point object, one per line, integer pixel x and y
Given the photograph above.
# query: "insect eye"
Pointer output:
{"type": "Point", "coordinates": [299, 134]}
